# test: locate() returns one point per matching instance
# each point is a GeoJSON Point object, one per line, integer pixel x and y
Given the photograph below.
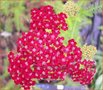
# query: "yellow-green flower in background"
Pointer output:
{"type": "Point", "coordinates": [88, 51]}
{"type": "Point", "coordinates": [71, 8]}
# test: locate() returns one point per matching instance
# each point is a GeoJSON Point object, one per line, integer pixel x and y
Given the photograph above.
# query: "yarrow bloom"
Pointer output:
{"type": "Point", "coordinates": [70, 8]}
{"type": "Point", "coordinates": [83, 72]}
{"type": "Point", "coordinates": [42, 55]}
{"type": "Point", "coordinates": [88, 51]}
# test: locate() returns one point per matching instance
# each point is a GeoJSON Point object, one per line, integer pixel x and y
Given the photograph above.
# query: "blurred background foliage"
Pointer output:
{"type": "Point", "coordinates": [84, 22]}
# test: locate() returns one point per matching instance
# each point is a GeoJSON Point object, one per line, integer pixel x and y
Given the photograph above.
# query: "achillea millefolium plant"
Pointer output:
{"type": "Point", "coordinates": [42, 55]}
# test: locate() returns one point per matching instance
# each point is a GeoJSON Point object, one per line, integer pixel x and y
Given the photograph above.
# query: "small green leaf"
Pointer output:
{"type": "Point", "coordinates": [99, 82]}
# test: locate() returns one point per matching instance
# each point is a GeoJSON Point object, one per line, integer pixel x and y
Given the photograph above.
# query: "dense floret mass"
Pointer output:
{"type": "Point", "coordinates": [41, 53]}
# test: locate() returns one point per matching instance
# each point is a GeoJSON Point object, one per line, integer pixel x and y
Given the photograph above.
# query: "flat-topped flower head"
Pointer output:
{"type": "Point", "coordinates": [83, 72]}
{"type": "Point", "coordinates": [70, 8]}
{"type": "Point", "coordinates": [88, 51]}
{"type": "Point", "coordinates": [41, 54]}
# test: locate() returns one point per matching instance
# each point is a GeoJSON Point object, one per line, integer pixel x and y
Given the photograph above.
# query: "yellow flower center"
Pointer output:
{"type": "Point", "coordinates": [81, 66]}
{"type": "Point", "coordinates": [48, 30]}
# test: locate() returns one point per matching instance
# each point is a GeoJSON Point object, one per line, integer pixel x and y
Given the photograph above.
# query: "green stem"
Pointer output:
{"type": "Point", "coordinates": [73, 29]}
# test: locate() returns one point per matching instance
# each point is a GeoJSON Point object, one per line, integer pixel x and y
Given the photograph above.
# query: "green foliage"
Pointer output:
{"type": "Point", "coordinates": [10, 86]}
{"type": "Point", "coordinates": [100, 28]}
{"type": "Point", "coordinates": [13, 11]}
{"type": "Point", "coordinates": [17, 13]}
{"type": "Point", "coordinates": [97, 83]}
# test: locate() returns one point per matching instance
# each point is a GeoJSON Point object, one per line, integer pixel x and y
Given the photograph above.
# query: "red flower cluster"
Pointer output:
{"type": "Point", "coordinates": [46, 18]}
{"type": "Point", "coordinates": [42, 55]}
{"type": "Point", "coordinates": [83, 72]}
